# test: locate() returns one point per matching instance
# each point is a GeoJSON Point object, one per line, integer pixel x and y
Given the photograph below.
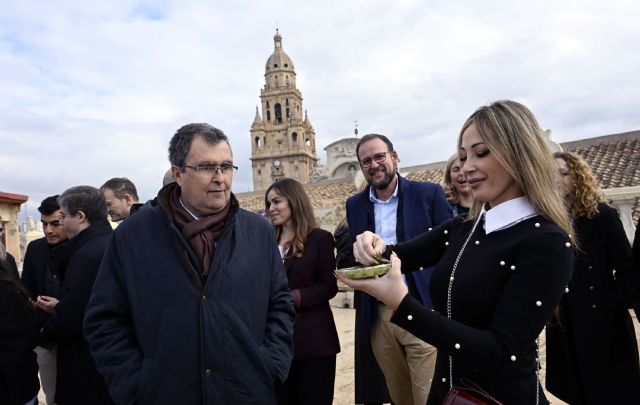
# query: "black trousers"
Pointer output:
{"type": "Point", "coordinates": [310, 382]}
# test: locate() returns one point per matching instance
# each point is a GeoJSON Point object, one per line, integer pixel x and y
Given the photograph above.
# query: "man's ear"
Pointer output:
{"type": "Point", "coordinates": [128, 199]}
{"type": "Point", "coordinates": [82, 216]}
{"type": "Point", "coordinates": [177, 174]}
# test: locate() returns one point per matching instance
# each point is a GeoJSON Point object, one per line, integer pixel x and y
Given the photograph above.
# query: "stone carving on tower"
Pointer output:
{"type": "Point", "coordinates": [283, 141]}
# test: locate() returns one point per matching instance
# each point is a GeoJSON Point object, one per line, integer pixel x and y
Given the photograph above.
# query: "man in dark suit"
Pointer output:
{"type": "Point", "coordinates": [396, 209]}
{"type": "Point", "coordinates": [39, 276]}
{"type": "Point", "coordinates": [83, 214]}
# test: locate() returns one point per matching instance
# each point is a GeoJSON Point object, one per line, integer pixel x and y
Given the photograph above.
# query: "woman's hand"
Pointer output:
{"type": "Point", "coordinates": [368, 248]}
{"type": "Point", "coordinates": [47, 304]}
{"type": "Point", "coordinates": [389, 288]}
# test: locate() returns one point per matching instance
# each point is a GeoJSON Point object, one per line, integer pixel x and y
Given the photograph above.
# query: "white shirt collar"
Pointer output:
{"type": "Point", "coordinates": [374, 199]}
{"type": "Point", "coordinates": [507, 214]}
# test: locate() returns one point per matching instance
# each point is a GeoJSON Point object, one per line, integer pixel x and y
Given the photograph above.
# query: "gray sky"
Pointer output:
{"type": "Point", "coordinates": [94, 90]}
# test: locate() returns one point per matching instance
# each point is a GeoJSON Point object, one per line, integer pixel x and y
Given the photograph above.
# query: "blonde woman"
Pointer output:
{"type": "Point", "coordinates": [499, 274]}
{"type": "Point", "coordinates": [592, 353]}
{"type": "Point", "coordinates": [456, 187]}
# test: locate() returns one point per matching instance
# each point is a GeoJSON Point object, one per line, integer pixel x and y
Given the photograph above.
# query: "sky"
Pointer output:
{"type": "Point", "coordinates": [94, 90]}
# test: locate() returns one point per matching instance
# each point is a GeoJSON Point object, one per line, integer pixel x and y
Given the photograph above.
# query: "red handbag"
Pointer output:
{"type": "Point", "coordinates": [469, 394]}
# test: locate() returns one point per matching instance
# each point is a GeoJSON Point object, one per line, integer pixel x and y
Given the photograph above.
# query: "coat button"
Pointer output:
{"type": "Point", "coordinates": [537, 224]}
{"type": "Point", "coordinates": [568, 244]}
{"type": "Point", "coordinates": [502, 263]}
{"type": "Point", "coordinates": [208, 371]}
{"type": "Point", "coordinates": [410, 317]}
{"type": "Point", "coordinates": [513, 267]}
{"type": "Point", "coordinates": [594, 307]}
{"type": "Point", "coordinates": [538, 303]}
{"type": "Point", "coordinates": [590, 267]}
{"type": "Point", "coordinates": [513, 358]}
{"type": "Point", "coordinates": [446, 243]}
{"type": "Point", "coordinates": [477, 242]}
{"type": "Point", "coordinates": [446, 231]}
{"type": "Point", "coordinates": [457, 345]}
{"type": "Point", "coordinates": [204, 297]}
{"type": "Point", "coordinates": [591, 288]}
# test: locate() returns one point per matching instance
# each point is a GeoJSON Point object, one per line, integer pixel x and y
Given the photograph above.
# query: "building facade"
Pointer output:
{"type": "Point", "coordinates": [283, 141]}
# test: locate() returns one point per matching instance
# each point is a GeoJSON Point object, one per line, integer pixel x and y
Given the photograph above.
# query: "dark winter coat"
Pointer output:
{"type": "Point", "coordinates": [78, 381]}
{"type": "Point", "coordinates": [507, 286]}
{"type": "Point", "coordinates": [592, 353]}
{"type": "Point", "coordinates": [420, 207]}
{"type": "Point", "coordinates": [40, 275]}
{"type": "Point", "coordinates": [18, 366]}
{"type": "Point", "coordinates": [163, 334]}
{"type": "Point", "coordinates": [315, 333]}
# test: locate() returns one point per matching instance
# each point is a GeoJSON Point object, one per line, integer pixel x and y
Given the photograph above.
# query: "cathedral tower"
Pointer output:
{"type": "Point", "coordinates": [283, 141]}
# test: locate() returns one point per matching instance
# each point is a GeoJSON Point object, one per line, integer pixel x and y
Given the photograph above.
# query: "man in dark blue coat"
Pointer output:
{"type": "Point", "coordinates": [83, 214]}
{"type": "Point", "coordinates": [191, 304]}
{"type": "Point", "coordinates": [396, 209]}
{"type": "Point", "coordinates": [40, 277]}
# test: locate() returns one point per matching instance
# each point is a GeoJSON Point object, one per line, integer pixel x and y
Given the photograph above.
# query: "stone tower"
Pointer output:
{"type": "Point", "coordinates": [283, 141]}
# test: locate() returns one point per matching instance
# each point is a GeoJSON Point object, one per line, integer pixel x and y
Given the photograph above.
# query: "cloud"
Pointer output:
{"type": "Point", "coordinates": [95, 90]}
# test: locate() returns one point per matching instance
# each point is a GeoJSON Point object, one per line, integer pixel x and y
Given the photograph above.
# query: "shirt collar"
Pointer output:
{"type": "Point", "coordinates": [374, 199]}
{"type": "Point", "coordinates": [507, 214]}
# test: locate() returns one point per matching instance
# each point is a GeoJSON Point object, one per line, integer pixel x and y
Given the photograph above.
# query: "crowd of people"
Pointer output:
{"type": "Point", "coordinates": [194, 300]}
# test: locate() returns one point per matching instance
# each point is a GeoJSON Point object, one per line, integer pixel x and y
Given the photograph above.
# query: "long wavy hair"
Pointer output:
{"type": "Point", "coordinates": [302, 217]}
{"type": "Point", "coordinates": [586, 192]}
{"type": "Point", "coordinates": [513, 135]}
{"type": "Point", "coordinates": [450, 191]}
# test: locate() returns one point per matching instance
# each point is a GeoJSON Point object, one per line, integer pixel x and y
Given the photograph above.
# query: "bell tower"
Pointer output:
{"type": "Point", "coordinates": [283, 141]}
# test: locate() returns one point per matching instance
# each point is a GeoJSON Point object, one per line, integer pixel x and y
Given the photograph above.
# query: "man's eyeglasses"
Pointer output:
{"type": "Point", "coordinates": [213, 169]}
{"type": "Point", "coordinates": [378, 158]}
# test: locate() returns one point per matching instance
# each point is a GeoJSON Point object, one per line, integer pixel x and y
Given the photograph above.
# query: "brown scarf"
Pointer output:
{"type": "Point", "coordinates": [201, 233]}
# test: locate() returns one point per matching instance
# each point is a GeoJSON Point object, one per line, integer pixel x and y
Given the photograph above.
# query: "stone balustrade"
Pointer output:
{"type": "Point", "coordinates": [625, 200]}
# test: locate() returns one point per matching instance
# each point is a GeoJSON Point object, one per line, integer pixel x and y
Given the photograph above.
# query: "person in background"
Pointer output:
{"type": "Point", "coordinates": [121, 196]}
{"type": "Point", "coordinates": [309, 261]}
{"type": "Point", "coordinates": [592, 353]}
{"type": "Point", "coordinates": [7, 258]}
{"type": "Point", "coordinates": [500, 272]}
{"type": "Point", "coordinates": [83, 214]}
{"type": "Point", "coordinates": [18, 366]}
{"type": "Point", "coordinates": [191, 304]}
{"type": "Point", "coordinates": [41, 277]}
{"type": "Point", "coordinates": [398, 209]}
{"type": "Point", "coordinates": [456, 187]}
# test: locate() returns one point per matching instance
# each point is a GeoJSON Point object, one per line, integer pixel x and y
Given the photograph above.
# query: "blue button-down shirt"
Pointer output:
{"type": "Point", "coordinates": [385, 213]}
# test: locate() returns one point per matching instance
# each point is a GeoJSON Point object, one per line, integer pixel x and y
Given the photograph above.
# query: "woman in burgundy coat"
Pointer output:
{"type": "Point", "coordinates": [308, 254]}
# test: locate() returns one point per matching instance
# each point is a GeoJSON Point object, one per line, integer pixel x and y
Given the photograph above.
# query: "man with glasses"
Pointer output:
{"type": "Point", "coordinates": [397, 209]}
{"type": "Point", "coordinates": [41, 277]}
{"type": "Point", "coordinates": [192, 304]}
{"type": "Point", "coordinates": [83, 215]}
{"type": "Point", "coordinates": [122, 198]}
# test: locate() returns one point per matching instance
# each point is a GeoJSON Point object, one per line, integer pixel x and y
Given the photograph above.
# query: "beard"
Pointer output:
{"type": "Point", "coordinates": [385, 181]}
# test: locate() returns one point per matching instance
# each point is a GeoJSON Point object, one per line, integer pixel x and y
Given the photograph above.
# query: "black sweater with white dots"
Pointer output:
{"type": "Point", "coordinates": [506, 287]}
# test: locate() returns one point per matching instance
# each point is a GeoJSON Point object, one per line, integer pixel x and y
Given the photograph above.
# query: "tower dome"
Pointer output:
{"type": "Point", "coordinates": [279, 61]}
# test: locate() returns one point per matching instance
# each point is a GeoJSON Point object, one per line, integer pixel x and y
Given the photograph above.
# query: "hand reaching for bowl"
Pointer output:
{"type": "Point", "coordinates": [368, 248]}
{"type": "Point", "coordinates": [389, 288]}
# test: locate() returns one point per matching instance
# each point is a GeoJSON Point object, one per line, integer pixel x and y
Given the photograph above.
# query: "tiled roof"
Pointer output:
{"type": "Point", "coordinates": [614, 159]}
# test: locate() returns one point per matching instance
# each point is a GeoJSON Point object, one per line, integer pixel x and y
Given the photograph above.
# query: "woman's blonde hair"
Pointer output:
{"type": "Point", "coordinates": [450, 191]}
{"type": "Point", "coordinates": [302, 216]}
{"type": "Point", "coordinates": [586, 192]}
{"type": "Point", "coordinates": [512, 134]}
